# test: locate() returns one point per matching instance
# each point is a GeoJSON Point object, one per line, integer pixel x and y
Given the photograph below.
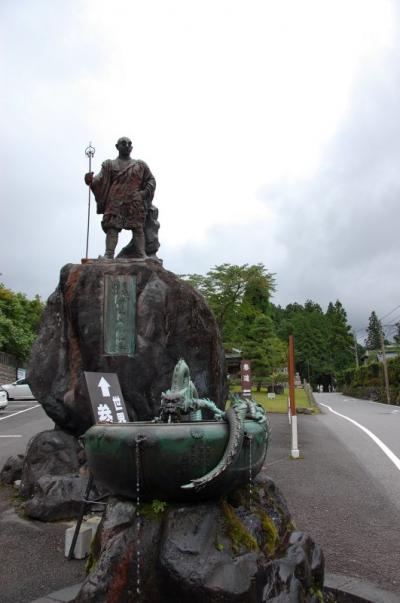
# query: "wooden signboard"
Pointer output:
{"type": "Point", "coordinates": [245, 378]}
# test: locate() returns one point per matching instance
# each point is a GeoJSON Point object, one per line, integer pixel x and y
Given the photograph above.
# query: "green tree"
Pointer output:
{"type": "Point", "coordinates": [236, 295]}
{"type": "Point", "coordinates": [323, 341]}
{"type": "Point", "coordinates": [374, 329]}
{"type": "Point", "coordinates": [340, 339]}
{"type": "Point", "coordinates": [240, 299]}
{"type": "Point", "coordinates": [19, 320]}
{"type": "Point", "coordinates": [396, 336]}
{"type": "Point", "coordinates": [268, 353]}
{"type": "Point", "coordinates": [308, 326]}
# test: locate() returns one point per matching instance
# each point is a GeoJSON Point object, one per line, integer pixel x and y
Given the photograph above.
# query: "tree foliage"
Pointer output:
{"type": "Point", "coordinates": [236, 295]}
{"type": "Point", "coordinates": [374, 329]}
{"type": "Point", "coordinates": [340, 340]}
{"type": "Point", "coordinates": [396, 336]}
{"type": "Point", "coordinates": [308, 326]}
{"type": "Point", "coordinates": [19, 320]}
{"type": "Point", "coordinates": [266, 351]}
{"type": "Point", "coordinates": [323, 341]}
{"type": "Point", "coordinates": [240, 297]}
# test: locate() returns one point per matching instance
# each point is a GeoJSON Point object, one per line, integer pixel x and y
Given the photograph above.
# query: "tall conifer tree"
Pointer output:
{"type": "Point", "coordinates": [373, 339]}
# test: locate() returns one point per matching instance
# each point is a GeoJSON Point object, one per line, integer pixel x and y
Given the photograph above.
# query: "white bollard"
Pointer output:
{"type": "Point", "coordinates": [84, 539]}
{"type": "Point", "coordinates": [93, 523]}
{"type": "Point", "coordinates": [294, 453]}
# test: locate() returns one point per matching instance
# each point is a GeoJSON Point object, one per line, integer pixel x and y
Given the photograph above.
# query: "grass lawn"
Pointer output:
{"type": "Point", "coordinates": [280, 403]}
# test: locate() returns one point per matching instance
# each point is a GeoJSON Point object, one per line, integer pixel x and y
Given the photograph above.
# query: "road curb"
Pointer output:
{"type": "Point", "coordinates": [354, 590]}
{"type": "Point", "coordinates": [345, 589]}
{"type": "Point", "coordinates": [65, 595]}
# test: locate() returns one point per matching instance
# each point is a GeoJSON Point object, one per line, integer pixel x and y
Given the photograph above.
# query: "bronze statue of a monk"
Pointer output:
{"type": "Point", "coordinates": [124, 190]}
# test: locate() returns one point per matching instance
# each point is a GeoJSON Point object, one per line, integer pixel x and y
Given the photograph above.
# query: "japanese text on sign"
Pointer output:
{"type": "Point", "coordinates": [119, 314]}
{"type": "Point", "coordinates": [245, 374]}
{"type": "Point", "coordinates": [105, 394]}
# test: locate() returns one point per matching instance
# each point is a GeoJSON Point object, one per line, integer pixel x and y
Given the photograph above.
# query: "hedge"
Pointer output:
{"type": "Point", "coordinates": [368, 382]}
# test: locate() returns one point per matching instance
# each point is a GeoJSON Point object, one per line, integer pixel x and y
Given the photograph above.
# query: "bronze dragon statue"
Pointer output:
{"type": "Point", "coordinates": [181, 403]}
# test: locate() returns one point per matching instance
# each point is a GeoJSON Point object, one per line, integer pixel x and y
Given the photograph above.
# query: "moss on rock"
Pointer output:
{"type": "Point", "coordinates": [236, 530]}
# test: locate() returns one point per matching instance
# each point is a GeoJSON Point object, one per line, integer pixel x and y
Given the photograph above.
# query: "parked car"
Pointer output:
{"type": "Point", "coordinates": [19, 390]}
{"type": "Point", "coordinates": [3, 399]}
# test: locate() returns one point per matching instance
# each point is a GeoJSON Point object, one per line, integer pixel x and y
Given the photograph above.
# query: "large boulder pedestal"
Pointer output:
{"type": "Point", "coordinates": [135, 319]}
{"type": "Point", "coordinates": [155, 319]}
{"type": "Point", "coordinates": [241, 549]}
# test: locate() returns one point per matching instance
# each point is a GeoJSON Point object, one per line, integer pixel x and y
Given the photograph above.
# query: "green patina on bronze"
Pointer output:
{"type": "Point", "coordinates": [180, 456]}
{"type": "Point", "coordinates": [119, 315]}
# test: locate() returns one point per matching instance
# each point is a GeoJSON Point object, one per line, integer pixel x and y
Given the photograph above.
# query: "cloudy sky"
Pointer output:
{"type": "Point", "coordinates": [272, 128]}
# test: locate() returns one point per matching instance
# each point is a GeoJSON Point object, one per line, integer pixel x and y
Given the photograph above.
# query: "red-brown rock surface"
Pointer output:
{"type": "Point", "coordinates": [172, 321]}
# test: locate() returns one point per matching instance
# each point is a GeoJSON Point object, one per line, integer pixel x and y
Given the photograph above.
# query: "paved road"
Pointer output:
{"type": "Point", "coordinates": [344, 490]}
{"type": "Point", "coordinates": [31, 552]}
{"type": "Point", "coordinates": [18, 423]}
{"type": "Point", "coordinates": [377, 446]}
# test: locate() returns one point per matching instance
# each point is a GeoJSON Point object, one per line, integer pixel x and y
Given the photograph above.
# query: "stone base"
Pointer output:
{"type": "Point", "coordinates": [170, 321]}
{"type": "Point", "coordinates": [229, 551]}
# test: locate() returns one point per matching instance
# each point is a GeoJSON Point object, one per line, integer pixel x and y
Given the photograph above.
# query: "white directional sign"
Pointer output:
{"type": "Point", "coordinates": [106, 398]}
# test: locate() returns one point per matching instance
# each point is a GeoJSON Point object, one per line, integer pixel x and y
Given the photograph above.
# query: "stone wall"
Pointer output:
{"type": "Point", "coordinates": [374, 393]}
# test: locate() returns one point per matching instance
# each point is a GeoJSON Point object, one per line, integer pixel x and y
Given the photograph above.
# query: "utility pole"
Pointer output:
{"type": "Point", "coordinates": [356, 350]}
{"type": "Point", "coordinates": [385, 370]}
{"type": "Point", "coordinates": [292, 401]}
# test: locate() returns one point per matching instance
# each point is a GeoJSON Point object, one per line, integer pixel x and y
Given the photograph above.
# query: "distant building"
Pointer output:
{"type": "Point", "coordinates": [391, 351]}
{"type": "Point", "coordinates": [388, 353]}
{"type": "Point", "coordinates": [233, 357]}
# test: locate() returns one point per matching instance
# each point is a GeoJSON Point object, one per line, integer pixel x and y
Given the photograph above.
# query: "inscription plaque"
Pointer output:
{"type": "Point", "coordinates": [119, 314]}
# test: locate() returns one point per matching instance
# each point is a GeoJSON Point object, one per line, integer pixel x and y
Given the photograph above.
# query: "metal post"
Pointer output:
{"type": "Point", "coordinates": [89, 152]}
{"type": "Point", "coordinates": [80, 518]}
{"type": "Point", "coordinates": [385, 370]}
{"type": "Point", "coordinates": [356, 350]}
{"type": "Point", "coordinates": [291, 367]}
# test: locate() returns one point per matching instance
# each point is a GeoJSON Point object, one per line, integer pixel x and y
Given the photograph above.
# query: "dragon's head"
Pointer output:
{"type": "Point", "coordinates": [173, 405]}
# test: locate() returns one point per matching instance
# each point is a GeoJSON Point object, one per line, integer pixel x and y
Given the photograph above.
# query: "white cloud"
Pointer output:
{"type": "Point", "coordinates": [248, 115]}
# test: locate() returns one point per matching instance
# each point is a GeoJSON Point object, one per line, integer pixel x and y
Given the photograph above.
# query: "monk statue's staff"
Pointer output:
{"type": "Point", "coordinates": [89, 152]}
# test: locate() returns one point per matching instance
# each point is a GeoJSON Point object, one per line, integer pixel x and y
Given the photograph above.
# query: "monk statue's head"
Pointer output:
{"type": "Point", "coordinates": [124, 146]}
